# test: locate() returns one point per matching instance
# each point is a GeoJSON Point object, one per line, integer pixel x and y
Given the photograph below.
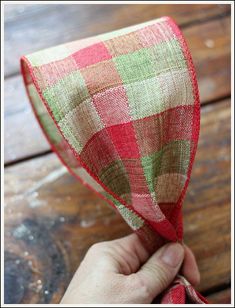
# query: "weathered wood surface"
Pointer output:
{"type": "Point", "coordinates": [32, 27]}
{"type": "Point", "coordinates": [221, 297]}
{"type": "Point", "coordinates": [23, 136]}
{"type": "Point", "coordinates": [210, 46]}
{"type": "Point", "coordinates": [51, 219]}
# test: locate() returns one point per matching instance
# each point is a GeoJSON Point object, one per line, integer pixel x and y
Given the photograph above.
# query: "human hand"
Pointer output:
{"type": "Point", "coordinates": [122, 271]}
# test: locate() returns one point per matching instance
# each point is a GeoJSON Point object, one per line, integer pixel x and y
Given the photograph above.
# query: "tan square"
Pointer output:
{"type": "Point", "coordinates": [81, 124]}
{"type": "Point", "coordinates": [169, 187]}
{"type": "Point", "coordinates": [101, 76]}
{"type": "Point", "coordinates": [124, 44]}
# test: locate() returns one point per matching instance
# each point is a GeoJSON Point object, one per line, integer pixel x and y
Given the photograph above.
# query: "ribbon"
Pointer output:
{"type": "Point", "coordinates": [122, 112]}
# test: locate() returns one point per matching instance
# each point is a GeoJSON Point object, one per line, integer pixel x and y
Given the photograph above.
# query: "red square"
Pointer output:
{"type": "Point", "coordinates": [136, 176]}
{"type": "Point", "coordinates": [112, 106]}
{"type": "Point", "coordinates": [155, 131]}
{"type": "Point", "coordinates": [124, 140]}
{"type": "Point", "coordinates": [143, 204]}
{"type": "Point", "coordinates": [54, 71]}
{"type": "Point", "coordinates": [91, 55]}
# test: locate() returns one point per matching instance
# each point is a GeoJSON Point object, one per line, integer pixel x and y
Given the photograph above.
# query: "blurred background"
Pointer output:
{"type": "Point", "coordinates": [51, 219]}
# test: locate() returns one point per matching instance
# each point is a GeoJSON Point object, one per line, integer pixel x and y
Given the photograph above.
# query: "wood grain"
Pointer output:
{"type": "Point", "coordinates": [51, 219]}
{"type": "Point", "coordinates": [213, 71]}
{"type": "Point", "coordinates": [221, 297]}
{"type": "Point", "coordinates": [22, 134]}
{"type": "Point", "coordinates": [33, 27]}
{"type": "Point", "coordinates": [210, 47]}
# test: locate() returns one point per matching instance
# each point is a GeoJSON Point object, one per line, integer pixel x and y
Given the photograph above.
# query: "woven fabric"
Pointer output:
{"type": "Point", "coordinates": [122, 112]}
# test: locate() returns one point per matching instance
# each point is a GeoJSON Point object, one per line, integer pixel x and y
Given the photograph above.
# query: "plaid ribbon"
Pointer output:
{"type": "Point", "coordinates": [122, 112]}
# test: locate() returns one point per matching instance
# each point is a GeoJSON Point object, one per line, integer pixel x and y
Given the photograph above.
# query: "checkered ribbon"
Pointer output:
{"type": "Point", "coordinates": [122, 112]}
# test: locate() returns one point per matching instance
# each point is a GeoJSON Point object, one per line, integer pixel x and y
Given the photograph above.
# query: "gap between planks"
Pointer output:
{"type": "Point", "coordinates": [205, 20]}
{"type": "Point", "coordinates": [23, 19]}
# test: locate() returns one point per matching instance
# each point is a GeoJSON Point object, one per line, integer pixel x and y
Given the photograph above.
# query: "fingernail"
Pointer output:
{"type": "Point", "coordinates": [172, 254]}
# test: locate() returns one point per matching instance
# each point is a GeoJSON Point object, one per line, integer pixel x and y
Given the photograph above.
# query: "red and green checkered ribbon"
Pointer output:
{"type": "Point", "coordinates": [122, 112]}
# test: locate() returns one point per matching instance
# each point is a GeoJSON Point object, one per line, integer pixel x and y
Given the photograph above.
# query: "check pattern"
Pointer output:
{"type": "Point", "coordinates": [124, 107]}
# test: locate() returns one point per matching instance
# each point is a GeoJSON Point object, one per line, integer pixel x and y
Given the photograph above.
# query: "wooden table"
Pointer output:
{"type": "Point", "coordinates": [51, 219]}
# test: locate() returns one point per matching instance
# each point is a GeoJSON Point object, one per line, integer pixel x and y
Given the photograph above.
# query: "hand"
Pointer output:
{"type": "Point", "coordinates": [122, 271]}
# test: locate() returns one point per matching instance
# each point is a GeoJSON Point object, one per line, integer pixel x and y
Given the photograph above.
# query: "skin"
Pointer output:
{"type": "Point", "coordinates": [123, 272]}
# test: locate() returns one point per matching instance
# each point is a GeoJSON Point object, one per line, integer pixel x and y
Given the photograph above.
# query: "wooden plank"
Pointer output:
{"type": "Point", "coordinates": [213, 70]}
{"type": "Point", "coordinates": [22, 134]}
{"type": "Point", "coordinates": [221, 297]}
{"type": "Point", "coordinates": [210, 47]}
{"type": "Point", "coordinates": [208, 198]}
{"type": "Point", "coordinates": [32, 27]}
{"type": "Point", "coordinates": [51, 219]}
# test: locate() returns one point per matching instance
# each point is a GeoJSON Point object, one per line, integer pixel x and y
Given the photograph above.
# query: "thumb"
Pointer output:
{"type": "Point", "coordinates": [160, 270]}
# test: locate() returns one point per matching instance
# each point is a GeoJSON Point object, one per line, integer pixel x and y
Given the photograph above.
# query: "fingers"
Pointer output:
{"type": "Point", "coordinates": [159, 271]}
{"type": "Point", "coordinates": [124, 255]}
{"type": "Point", "coordinates": [190, 269]}
{"type": "Point", "coordinates": [130, 253]}
{"type": "Point", "coordinates": [132, 244]}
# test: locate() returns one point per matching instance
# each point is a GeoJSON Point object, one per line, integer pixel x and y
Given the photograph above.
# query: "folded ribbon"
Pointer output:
{"type": "Point", "coordinates": [122, 112]}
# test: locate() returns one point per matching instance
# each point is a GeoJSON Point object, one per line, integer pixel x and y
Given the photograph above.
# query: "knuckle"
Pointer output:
{"type": "Point", "coordinates": [95, 248]}
{"type": "Point", "coordinates": [139, 285]}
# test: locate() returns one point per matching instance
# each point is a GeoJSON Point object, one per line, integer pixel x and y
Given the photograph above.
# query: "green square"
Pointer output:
{"type": "Point", "coordinates": [135, 66]}
{"type": "Point", "coordinates": [44, 117]}
{"type": "Point", "coordinates": [167, 56]}
{"type": "Point", "coordinates": [145, 98]}
{"type": "Point", "coordinates": [133, 220]}
{"type": "Point", "coordinates": [116, 179]}
{"type": "Point", "coordinates": [66, 94]}
{"type": "Point", "coordinates": [172, 158]}
{"type": "Point", "coordinates": [72, 138]}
